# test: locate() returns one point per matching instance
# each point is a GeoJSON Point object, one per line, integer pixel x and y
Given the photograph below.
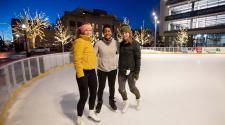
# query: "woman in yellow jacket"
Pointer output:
{"type": "Point", "coordinates": [85, 63]}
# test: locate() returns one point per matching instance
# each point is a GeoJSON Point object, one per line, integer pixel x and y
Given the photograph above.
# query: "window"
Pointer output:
{"type": "Point", "coordinates": [93, 26]}
{"type": "Point", "coordinates": [180, 9]}
{"type": "Point", "coordinates": [203, 4]}
{"type": "Point", "coordinates": [181, 24]}
{"type": "Point", "coordinates": [208, 21]}
{"type": "Point", "coordinates": [96, 26]}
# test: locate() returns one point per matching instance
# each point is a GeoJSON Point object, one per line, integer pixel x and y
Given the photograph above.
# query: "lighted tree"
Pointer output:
{"type": "Point", "coordinates": [126, 21]}
{"type": "Point", "coordinates": [143, 36]}
{"type": "Point", "coordinates": [118, 32]}
{"type": "Point", "coordinates": [95, 37]}
{"type": "Point", "coordinates": [32, 24]}
{"type": "Point", "coordinates": [182, 37]}
{"type": "Point", "coordinates": [118, 35]}
{"type": "Point", "coordinates": [62, 34]}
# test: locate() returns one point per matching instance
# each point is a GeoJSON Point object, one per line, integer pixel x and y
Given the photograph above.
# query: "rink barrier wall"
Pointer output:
{"type": "Point", "coordinates": [18, 75]}
{"type": "Point", "coordinates": [183, 50]}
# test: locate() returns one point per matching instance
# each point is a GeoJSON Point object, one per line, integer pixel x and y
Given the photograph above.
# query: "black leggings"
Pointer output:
{"type": "Point", "coordinates": [89, 81]}
{"type": "Point", "coordinates": [111, 83]}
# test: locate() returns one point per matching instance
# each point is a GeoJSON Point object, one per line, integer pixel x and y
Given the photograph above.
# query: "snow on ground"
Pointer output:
{"type": "Point", "coordinates": [175, 89]}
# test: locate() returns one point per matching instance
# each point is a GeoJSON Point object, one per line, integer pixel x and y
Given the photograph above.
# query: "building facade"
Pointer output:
{"type": "Point", "coordinates": [72, 20]}
{"type": "Point", "coordinates": [204, 20]}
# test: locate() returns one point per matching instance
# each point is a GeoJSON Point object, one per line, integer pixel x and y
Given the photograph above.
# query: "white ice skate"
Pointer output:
{"type": "Point", "coordinates": [138, 106]}
{"type": "Point", "coordinates": [80, 120]}
{"type": "Point", "coordinates": [93, 116]}
{"type": "Point", "coordinates": [125, 106]}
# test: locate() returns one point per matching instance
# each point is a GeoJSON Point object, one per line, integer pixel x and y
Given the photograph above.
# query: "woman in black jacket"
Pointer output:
{"type": "Point", "coordinates": [129, 66]}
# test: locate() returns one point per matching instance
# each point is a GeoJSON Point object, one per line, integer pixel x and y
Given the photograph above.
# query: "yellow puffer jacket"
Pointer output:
{"type": "Point", "coordinates": [84, 56]}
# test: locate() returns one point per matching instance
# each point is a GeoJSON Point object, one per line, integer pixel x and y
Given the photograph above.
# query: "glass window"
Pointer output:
{"type": "Point", "coordinates": [209, 40]}
{"type": "Point", "coordinates": [208, 21]}
{"type": "Point", "coordinates": [221, 2]}
{"type": "Point", "coordinates": [180, 9]}
{"type": "Point", "coordinates": [198, 22]}
{"type": "Point", "coordinates": [181, 24]}
{"type": "Point", "coordinates": [221, 19]}
{"type": "Point", "coordinates": [93, 25]}
{"type": "Point", "coordinates": [96, 26]}
{"type": "Point", "coordinates": [203, 4]}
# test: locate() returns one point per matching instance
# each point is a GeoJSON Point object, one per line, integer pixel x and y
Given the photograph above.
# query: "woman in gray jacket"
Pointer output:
{"type": "Point", "coordinates": [107, 54]}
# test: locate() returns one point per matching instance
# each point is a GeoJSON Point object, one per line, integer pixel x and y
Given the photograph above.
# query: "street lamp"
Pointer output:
{"type": "Point", "coordinates": [24, 27]}
{"type": "Point", "coordinates": [17, 35]}
{"type": "Point", "coordinates": [156, 21]}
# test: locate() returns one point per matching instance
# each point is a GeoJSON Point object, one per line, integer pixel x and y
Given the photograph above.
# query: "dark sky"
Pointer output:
{"type": "Point", "coordinates": [135, 10]}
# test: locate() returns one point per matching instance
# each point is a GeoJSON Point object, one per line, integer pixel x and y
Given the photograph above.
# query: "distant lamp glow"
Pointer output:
{"type": "Point", "coordinates": [205, 35]}
{"type": "Point", "coordinates": [199, 35]}
{"type": "Point", "coordinates": [157, 22]}
{"type": "Point", "coordinates": [17, 35]}
{"type": "Point", "coordinates": [23, 26]}
{"type": "Point", "coordinates": [153, 13]}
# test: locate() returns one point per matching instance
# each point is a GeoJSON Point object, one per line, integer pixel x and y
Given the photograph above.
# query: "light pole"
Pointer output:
{"type": "Point", "coordinates": [205, 36]}
{"type": "Point", "coordinates": [24, 28]}
{"type": "Point", "coordinates": [155, 22]}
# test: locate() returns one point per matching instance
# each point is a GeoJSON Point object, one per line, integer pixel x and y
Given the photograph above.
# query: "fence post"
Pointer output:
{"type": "Point", "coordinates": [38, 65]}
{"type": "Point", "coordinates": [13, 74]}
{"type": "Point", "coordinates": [29, 68]}
{"type": "Point", "coordinates": [23, 71]}
{"type": "Point", "coordinates": [6, 70]}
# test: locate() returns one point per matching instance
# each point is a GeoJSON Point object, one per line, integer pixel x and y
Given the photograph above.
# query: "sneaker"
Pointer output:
{"type": "Point", "coordinates": [98, 107]}
{"type": "Point", "coordinates": [93, 116]}
{"type": "Point", "coordinates": [79, 121]}
{"type": "Point", "coordinates": [112, 104]}
{"type": "Point", "coordinates": [138, 106]}
{"type": "Point", "coordinates": [125, 105]}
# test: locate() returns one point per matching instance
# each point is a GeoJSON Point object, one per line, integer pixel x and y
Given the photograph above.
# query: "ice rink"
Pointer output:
{"type": "Point", "coordinates": [175, 89]}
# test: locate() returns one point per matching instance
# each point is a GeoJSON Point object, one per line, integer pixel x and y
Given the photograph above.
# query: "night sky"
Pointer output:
{"type": "Point", "coordinates": [135, 10]}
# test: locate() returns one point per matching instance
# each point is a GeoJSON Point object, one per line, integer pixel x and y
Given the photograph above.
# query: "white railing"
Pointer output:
{"type": "Point", "coordinates": [192, 50]}
{"type": "Point", "coordinates": [15, 74]}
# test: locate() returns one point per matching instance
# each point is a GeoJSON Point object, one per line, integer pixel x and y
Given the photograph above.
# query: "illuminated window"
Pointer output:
{"type": "Point", "coordinates": [180, 9]}
{"type": "Point", "coordinates": [203, 4]}
{"type": "Point", "coordinates": [209, 21]}
{"type": "Point", "coordinates": [181, 24]}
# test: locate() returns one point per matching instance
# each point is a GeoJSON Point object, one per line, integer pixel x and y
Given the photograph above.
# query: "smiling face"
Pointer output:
{"type": "Point", "coordinates": [125, 36]}
{"type": "Point", "coordinates": [86, 29]}
{"type": "Point", "coordinates": [107, 33]}
{"type": "Point", "coordinates": [88, 32]}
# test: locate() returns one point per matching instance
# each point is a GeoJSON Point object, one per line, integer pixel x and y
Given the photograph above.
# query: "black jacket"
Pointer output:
{"type": "Point", "coordinates": [129, 57]}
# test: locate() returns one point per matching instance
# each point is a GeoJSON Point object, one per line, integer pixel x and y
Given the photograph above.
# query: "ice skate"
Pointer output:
{"type": "Point", "coordinates": [138, 106]}
{"type": "Point", "coordinates": [80, 120]}
{"type": "Point", "coordinates": [125, 106]}
{"type": "Point", "coordinates": [93, 116]}
{"type": "Point", "coordinates": [112, 104]}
